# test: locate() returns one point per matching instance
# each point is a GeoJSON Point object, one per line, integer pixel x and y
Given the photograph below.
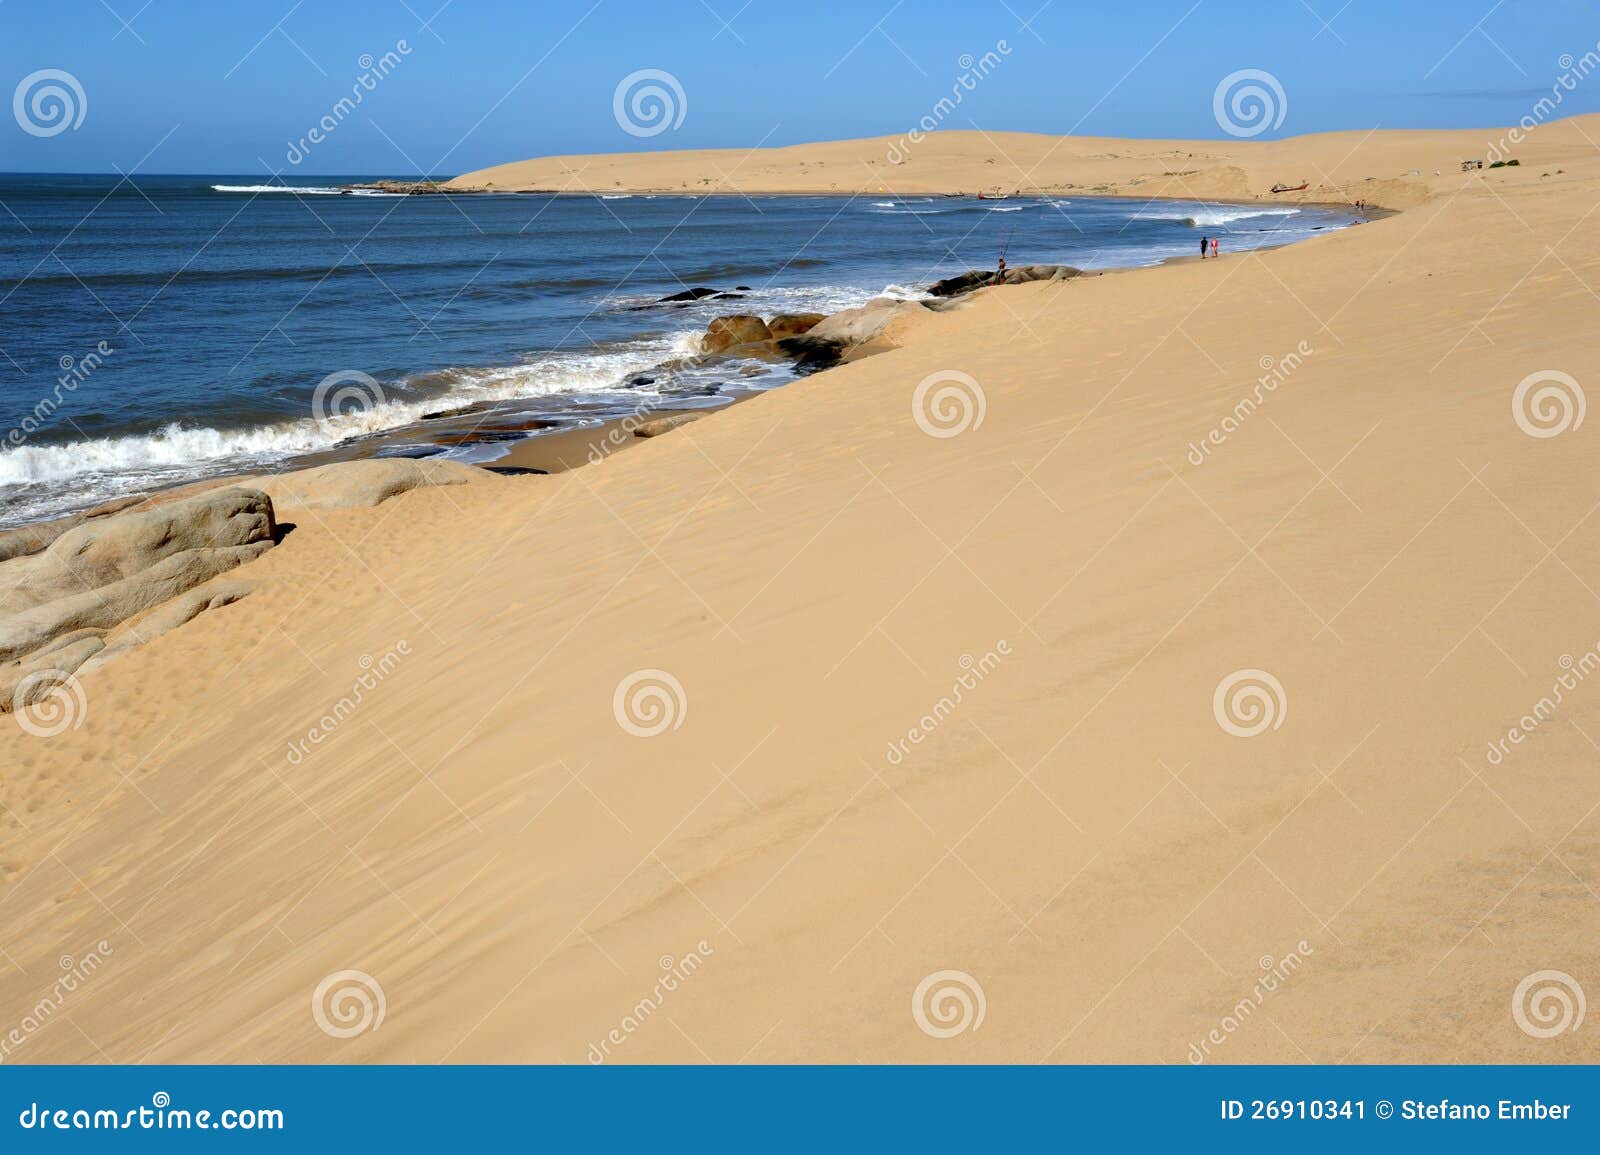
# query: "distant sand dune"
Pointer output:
{"type": "Point", "coordinates": [1391, 168]}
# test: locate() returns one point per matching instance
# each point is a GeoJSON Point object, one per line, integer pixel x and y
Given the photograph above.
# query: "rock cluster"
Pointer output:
{"type": "Point", "coordinates": [982, 278]}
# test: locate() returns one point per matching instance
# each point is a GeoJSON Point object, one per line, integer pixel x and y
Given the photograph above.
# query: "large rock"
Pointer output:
{"type": "Point", "coordinates": [739, 329]}
{"type": "Point", "coordinates": [355, 484]}
{"type": "Point", "coordinates": [793, 324]}
{"type": "Point", "coordinates": [828, 341]}
{"type": "Point", "coordinates": [105, 550]}
{"type": "Point", "coordinates": [116, 602]}
{"type": "Point", "coordinates": [31, 539]}
{"type": "Point", "coordinates": [859, 325]}
{"type": "Point", "coordinates": [45, 668]}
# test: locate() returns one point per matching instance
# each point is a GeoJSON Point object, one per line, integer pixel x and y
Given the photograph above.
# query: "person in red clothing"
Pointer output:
{"type": "Point", "coordinates": [1214, 243]}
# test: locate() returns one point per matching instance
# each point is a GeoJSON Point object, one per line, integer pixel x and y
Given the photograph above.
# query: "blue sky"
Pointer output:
{"type": "Point", "coordinates": [227, 87]}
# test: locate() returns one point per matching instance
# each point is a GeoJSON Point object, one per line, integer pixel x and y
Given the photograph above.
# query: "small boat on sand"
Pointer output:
{"type": "Point", "coordinates": [1283, 188]}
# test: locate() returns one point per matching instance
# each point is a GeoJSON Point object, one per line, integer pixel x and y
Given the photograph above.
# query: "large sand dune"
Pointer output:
{"type": "Point", "coordinates": [1385, 167]}
{"type": "Point", "coordinates": [1080, 835]}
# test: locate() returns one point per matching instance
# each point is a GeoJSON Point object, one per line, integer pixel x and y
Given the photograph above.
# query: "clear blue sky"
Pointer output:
{"type": "Point", "coordinates": [225, 86]}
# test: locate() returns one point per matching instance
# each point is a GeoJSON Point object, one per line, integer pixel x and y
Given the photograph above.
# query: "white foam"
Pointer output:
{"type": "Point", "coordinates": [307, 190]}
{"type": "Point", "coordinates": [196, 450]}
{"type": "Point", "coordinates": [1201, 218]}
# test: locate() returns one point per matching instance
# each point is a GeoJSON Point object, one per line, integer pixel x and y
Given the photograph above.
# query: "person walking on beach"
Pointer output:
{"type": "Point", "coordinates": [1214, 243]}
{"type": "Point", "coordinates": [1204, 241]}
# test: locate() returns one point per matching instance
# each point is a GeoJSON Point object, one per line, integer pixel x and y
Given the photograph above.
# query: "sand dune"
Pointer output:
{"type": "Point", "coordinates": [1391, 168]}
{"type": "Point", "coordinates": [1107, 861]}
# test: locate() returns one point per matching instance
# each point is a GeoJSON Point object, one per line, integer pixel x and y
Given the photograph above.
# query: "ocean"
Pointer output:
{"type": "Point", "coordinates": [170, 328]}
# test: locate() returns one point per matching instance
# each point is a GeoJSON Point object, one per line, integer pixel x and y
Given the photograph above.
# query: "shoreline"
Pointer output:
{"type": "Point", "coordinates": [528, 452]}
{"type": "Point", "coordinates": [682, 194]}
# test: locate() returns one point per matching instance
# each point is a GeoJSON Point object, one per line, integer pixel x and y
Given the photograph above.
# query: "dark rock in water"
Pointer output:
{"type": "Point", "coordinates": [437, 414]}
{"type": "Point", "coordinates": [742, 288]}
{"type": "Point", "coordinates": [516, 471]}
{"type": "Point", "coordinates": [812, 354]}
{"type": "Point", "coordinates": [728, 297]}
{"type": "Point", "coordinates": [981, 278]}
{"type": "Point", "coordinates": [640, 381]}
{"type": "Point", "coordinates": [738, 329]}
{"type": "Point", "coordinates": [694, 294]}
{"type": "Point", "coordinates": [965, 283]}
{"type": "Point", "coordinates": [793, 324]}
{"type": "Point", "coordinates": [482, 437]}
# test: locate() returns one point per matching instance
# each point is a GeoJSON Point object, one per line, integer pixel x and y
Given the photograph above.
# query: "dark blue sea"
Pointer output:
{"type": "Point", "coordinates": [179, 327]}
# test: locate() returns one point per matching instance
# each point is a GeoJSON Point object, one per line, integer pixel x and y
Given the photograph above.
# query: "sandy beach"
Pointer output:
{"type": "Point", "coordinates": [917, 675]}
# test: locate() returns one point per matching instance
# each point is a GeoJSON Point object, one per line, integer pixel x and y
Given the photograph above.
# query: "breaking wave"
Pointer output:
{"type": "Point", "coordinates": [200, 449]}
{"type": "Point", "coordinates": [1210, 218]}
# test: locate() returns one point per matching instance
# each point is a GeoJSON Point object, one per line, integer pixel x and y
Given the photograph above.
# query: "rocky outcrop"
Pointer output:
{"type": "Point", "coordinates": [108, 605]}
{"type": "Point", "coordinates": [101, 570]}
{"type": "Point", "coordinates": [832, 338]}
{"type": "Point", "coordinates": [793, 324]}
{"type": "Point", "coordinates": [725, 333]}
{"type": "Point", "coordinates": [104, 551]}
{"type": "Point", "coordinates": [28, 681]}
{"type": "Point", "coordinates": [811, 340]}
{"type": "Point", "coordinates": [356, 484]}
{"type": "Point", "coordinates": [982, 278]}
{"type": "Point", "coordinates": [32, 538]}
